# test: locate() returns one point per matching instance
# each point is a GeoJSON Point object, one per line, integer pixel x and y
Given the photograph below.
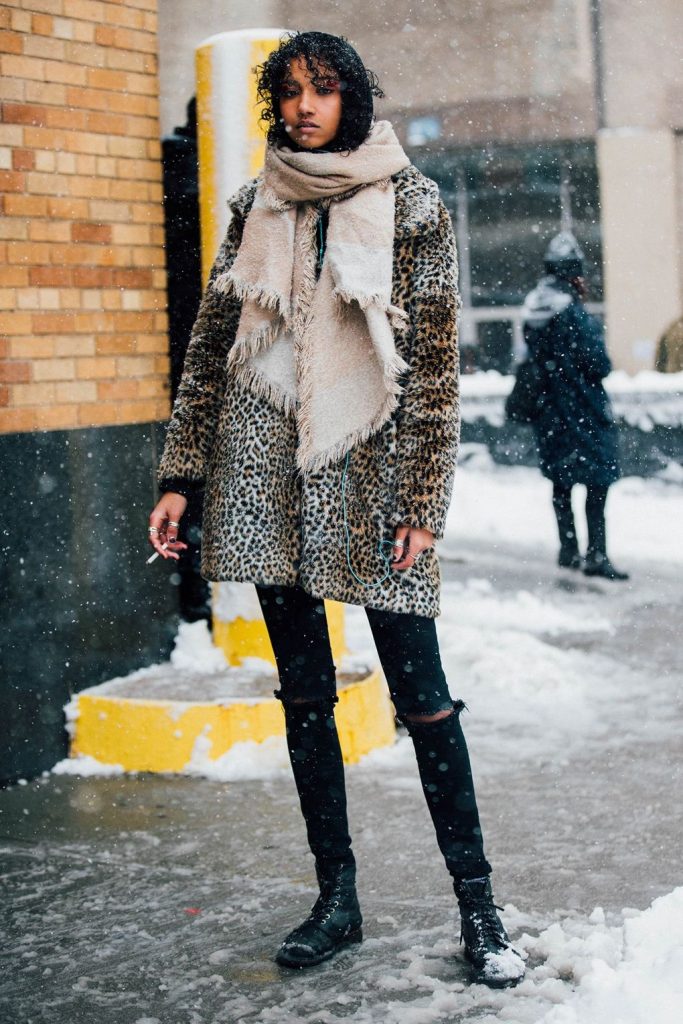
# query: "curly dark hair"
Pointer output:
{"type": "Point", "coordinates": [322, 53]}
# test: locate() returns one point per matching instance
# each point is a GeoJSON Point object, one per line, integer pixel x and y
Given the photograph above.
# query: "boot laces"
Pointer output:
{"type": "Point", "coordinates": [326, 903]}
{"type": "Point", "coordinates": [483, 917]}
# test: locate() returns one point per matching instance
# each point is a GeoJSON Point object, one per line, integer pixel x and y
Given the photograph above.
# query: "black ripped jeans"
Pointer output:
{"type": "Point", "coordinates": [408, 650]}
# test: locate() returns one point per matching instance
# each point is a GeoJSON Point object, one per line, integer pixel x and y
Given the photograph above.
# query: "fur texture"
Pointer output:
{"type": "Point", "coordinates": [266, 523]}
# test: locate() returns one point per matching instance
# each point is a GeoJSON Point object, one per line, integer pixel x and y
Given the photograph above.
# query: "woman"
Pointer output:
{"type": "Point", "coordinates": [573, 423]}
{"type": "Point", "coordinates": [318, 407]}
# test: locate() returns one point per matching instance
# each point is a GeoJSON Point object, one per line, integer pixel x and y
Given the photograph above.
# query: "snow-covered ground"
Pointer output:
{"type": "Point", "coordinates": [574, 692]}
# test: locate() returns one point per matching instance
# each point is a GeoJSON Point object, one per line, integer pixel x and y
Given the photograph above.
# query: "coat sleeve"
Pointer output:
{"type": "Point", "coordinates": [191, 432]}
{"type": "Point", "coordinates": [429, 412]}
{"type": "Point", "coordinates": [592, 357]}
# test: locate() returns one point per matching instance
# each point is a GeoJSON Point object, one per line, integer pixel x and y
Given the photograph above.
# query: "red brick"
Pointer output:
{"type": "Point", "coordinates": [67, 209]}
{"type": "Point", "coordinates": [13, 372]}
{"type": "Point", "coordinates": [114, 390]}
{"type": "Point", "coordinates": [23, 159]}
{"type": "Point", "coordinates": [115, 344]}
{"type": "Point", "coordinates": [15, 420]}
{"type": "Point", "coordinates": [50, 277]}
{"type": "Point", "coordinates": [12, 181]}
{"type": "Point", "coordinates": [133, 278]}
{"type": "Point", "coordinates": [53, 323]}
{"type": "Point", "coordinates": [14, 277]}
{"type": "Point", "coordinates": [24, 113]}
{"type": "Point", "coordinates": [11, 42]}
{"type": "Point", "coordinates": [42, 24]}
{"type": "Point", "coordinates": [91, 232]}
{"type": "Point", "coordinates": [110, 124]}
{"type": "Point", "coordinates": [92, 277]}
{"type": "Point", "coordinates": [63, 117]}
{"type": "Point", "coordinates": [25, 206]}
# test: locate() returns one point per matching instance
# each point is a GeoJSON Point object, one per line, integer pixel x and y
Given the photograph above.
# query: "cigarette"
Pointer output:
{"type": "Point", "coordinates": [155, 555]}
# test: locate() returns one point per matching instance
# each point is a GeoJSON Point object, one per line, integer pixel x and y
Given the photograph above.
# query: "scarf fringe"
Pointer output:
{"type": "Point", "coordinates": [229, 283]}
{"type": "Point", "coordinates": [308, 255]}
{"type": "Point", "coordinates": [393, 370]}
{"type": "Point", "coordinates": [259, 386]}
{"type": "Point", "coordinates": [251, 344]}
{"type": "Point", "coordinates": [398, 318]}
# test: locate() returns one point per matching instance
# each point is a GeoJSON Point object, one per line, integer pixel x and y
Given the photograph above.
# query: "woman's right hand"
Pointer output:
{"type": "Point", "coordinates": [164, 523]}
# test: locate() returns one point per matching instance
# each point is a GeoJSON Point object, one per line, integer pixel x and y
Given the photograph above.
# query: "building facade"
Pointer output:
{"type": "Point", "coordinates": [531, 115]}
{"type": "Point", "coordinates": [83, 359]}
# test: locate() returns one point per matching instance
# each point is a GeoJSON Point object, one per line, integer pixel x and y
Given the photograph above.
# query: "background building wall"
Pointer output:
{"type": "Point", "coordinates": [535, 55]}
{"type": "Point", "coordinates": [83, 294]}
{"type": "Point", "coordinates": [492, 73]}
{"type": "Point", "coordinates": [83, 360]}
{"type": "Point", "coordinates": [641, 175]}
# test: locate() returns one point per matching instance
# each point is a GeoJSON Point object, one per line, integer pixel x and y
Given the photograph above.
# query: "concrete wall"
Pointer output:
{"type": "Point", "coordinates": [641, 174]}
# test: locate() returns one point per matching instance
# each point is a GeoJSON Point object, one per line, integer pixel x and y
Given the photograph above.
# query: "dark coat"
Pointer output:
{"type": "Point", "coordinates": [575, 432]}
{"type": "Point", "coordinates": [266, 523]}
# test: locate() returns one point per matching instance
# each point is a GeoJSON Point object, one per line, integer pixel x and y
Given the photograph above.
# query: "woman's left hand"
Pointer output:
{"type": "Point", "coordinates": [409, 542]}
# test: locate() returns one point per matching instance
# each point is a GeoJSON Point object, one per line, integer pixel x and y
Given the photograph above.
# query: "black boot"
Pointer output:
{"type": "Point", "coordinates": [569, 557]}
{"type": "Point", "coordinates": [446, 777]}
{"type": "Point", "coordinates": [334, 922]}
{"type": "Point", "coordinates": [598, 564]}
{"type": "Point", "coordinates": [318, 769]}
{"type": "Point", "coordinates": [487, 946]}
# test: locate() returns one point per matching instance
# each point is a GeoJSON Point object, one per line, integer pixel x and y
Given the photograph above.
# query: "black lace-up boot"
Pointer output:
{"type": "Point", "coordinates": [487, 946]}
{"type": "Point", "coordinates": [334, 922]}
{"type": "Point", "coordinates": [318, 769]}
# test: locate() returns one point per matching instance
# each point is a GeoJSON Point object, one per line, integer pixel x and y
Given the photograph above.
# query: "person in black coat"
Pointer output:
{"type": "Point", "coordinates": [575, 432]}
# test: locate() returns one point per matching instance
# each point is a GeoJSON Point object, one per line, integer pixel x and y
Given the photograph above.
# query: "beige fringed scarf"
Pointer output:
{"type": "Point", "coordinates": [323, 350]}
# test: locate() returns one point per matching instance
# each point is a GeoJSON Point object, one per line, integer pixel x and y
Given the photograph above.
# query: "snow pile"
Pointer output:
{"type": "Point", "coordinates": [195, 651]}
{"type": "Point", "coordinates": [630, 974]}
{"type": "Point", "coordinates": [247, 760]}
{"type": "Point", "coordinates": [85, 765]}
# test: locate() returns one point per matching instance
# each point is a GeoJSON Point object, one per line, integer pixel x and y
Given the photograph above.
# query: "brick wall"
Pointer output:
{"type": "Point", "coordinates": [83, 325]}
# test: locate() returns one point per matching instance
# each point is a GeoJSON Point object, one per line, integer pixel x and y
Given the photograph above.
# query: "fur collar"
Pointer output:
{"type": "Point", "coordinates": [417, 203]}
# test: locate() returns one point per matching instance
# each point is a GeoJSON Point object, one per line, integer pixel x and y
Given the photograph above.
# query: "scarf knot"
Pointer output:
{"type": "Point", "coordinates": [321, 347]}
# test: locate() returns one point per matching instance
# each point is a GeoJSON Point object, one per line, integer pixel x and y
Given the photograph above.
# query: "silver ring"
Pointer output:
{"type": "Point", "coordinates": [399, 543]}
{"type": "Point", "coordinates": [153, 529]}
{"type": "Point", "coordinates": [171, 523]}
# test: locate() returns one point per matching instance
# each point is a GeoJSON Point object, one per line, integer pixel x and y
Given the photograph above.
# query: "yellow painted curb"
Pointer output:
{"type": "Point", "coordinates": [248, 638]}
{"type": "Point", "coordinates": [160, 736]}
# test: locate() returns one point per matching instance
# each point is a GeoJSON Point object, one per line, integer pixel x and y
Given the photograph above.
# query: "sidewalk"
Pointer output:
{"type": "Point", "coordinates": [160, 900]}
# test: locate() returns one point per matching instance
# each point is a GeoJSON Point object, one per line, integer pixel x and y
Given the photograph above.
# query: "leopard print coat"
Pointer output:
{"type": "Point", "coordinates": [265, 523]}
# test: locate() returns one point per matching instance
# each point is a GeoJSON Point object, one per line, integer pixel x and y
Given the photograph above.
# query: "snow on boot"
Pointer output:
{"type": "Point", "coordinates": [598, 564]}
{"type": "Point", "coordinates": [487, 946]}
{"type": "Point", "coordinates": [334, 922]}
